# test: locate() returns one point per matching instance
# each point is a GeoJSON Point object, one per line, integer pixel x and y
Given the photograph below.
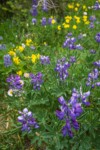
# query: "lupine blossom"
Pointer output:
{"type": "Point", "coordinates": [27, 120]}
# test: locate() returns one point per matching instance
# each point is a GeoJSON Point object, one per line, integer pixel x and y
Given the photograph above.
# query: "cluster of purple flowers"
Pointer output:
{"type": "Point", "coordinates": [97, 37]}
{"type": "Point", "coordinates": [7, 60]}
{"type": "Point", "coordinates": [92, 77]}
{"type": "Point", "coordinates": [70, 43]}
{"type": "Point", "coordinates": [15, 85]}
{"type": "Point", "coordinates": [96, 6]}
{"type": "Point", "coordinates": [27, 120]}
{"type": "Point", "coordinates": [71, 110]}
{"type": "Point", "coordinates": [92, 51]}
{"type": "Point", "coordinates": [34, 8]}
{"type": "Point", "coordinates": [72, 59]}
{"type": "Point", "coordinates": [34, 21]}
{"type": "Point", "coordinates": [15, 82]}
{"type": "Point", "coordinates": [2, 47]}
{"type": "Point", "coordinates": [61, 68]}
{"type": "Point", "coordinates": [36, 80]}
{"type": "Point", "coordinates": [97, 63]}
{"type": "Point", "coordinates": [45, 60]}
{"type": "Point", "coordinates": [92, 20]}
{"type": "Point", "coordinates": [44, 6]}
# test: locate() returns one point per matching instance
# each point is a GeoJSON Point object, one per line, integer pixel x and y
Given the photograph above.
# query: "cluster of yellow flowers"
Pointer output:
{"type": "Point", "coordinates": [16, 55]}
{"type": "Point", "coordinates": [73, 20]}
{"type": "Point", "coordinates": [76, 6]}
{"type": "Point", "coordinates": [35, 57]}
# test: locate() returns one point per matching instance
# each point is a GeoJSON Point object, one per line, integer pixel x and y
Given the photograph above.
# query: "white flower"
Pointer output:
{"type": "Point", "coordinates": [21, 82]}
{"type": "Point", "coordinates": [26, 75]}
{"type": "Point", "coordinates": [10, 92]}
{"type": "Point", "coordinates": [23, 45]}
{"type": "Point", "coordinates": [84, 13]}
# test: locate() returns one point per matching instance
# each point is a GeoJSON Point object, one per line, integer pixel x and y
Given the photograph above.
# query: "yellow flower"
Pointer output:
{"type": "Point", "coordinates": [16, 60]}
{"type": "Point", "coordinates": [74, 27]}
{"type": "Point", "coordinates": [19, 73]}
{"type": "Point", "coordinates": [33, 58]}
{"type": "Point", "coordinates": [70, 6]}
{"type": "Point", "coordinates": [38, 56]}
{"type": "Point", "coordinates": [45, 43]}
{"type": "Point", "coordinates": [87, 22]}
{"type": "Point", "coordinates": [28, 42]}
{"type": "Point", "coordinates": [67, 20]}
{"type": "Point", "coordinates": [84, 6]}
{"type": "Point", "coordinates": [66, 25]}
{"type": "Point", "coordinates": [68, 17]}
{"type": "Point", "coordinates": [76, 9]}
{"type": "Point", "coordinates": [59, 27]}
{"type": "Point", "coordinates": [53, 21]}
{"type": "Point", "coordinates": [77, 4]}
{"type": "Point", "coordinates": [78, 21]}
{"type": "Point", "coordinates": [21, 48]}
{"type": "Point", "coordinates": [12, 53]}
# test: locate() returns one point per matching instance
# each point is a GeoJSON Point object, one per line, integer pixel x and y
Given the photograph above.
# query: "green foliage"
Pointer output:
{"type": "Point", "coordinates": [48, 41]}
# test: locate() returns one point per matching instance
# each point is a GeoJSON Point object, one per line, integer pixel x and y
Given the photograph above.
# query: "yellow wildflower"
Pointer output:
{"type": "Point", "coordinates": [21, 48]}
{"type": "Point", "coordinates": [33, 58]}
{"type": "Point", "coordinates": [84, 6]}
{"type": "Point", "coordinates": [28, 42]}
{"type": "Point", "coordinates": [77, 4]}
{"type": "Point", "coordinates": [16, 60]}
{"type": "Point", "coordinates": [78, 21]}
{"type": "Point", "coordinates": [67, 20]}
{"type": "Point", "coordinates": [87, 22]}
{"type": "Point", "coordinates": [70, 6]}
{"type": "Point", "coordinates": [74, 27]}
{"type": "Point", "coordinates": [76, 9]}
{"type": "Point", "coordinates": [12, 53]}
{"type": "Point", "coordinates": [38, 56]}
{"type": "Point", "coordinates": [59, 27]}
{"type": "Point", "coordinates": [53, 21]}
{"type": "Point", "coordinates": [19, 73]}
{"type": "Point", "coordinates": [66, 25]}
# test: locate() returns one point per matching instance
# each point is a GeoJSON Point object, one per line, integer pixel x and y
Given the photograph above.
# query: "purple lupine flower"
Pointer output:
{"type": "Point", "coordinates": [50, 21]}
{"type": "Point", "coordinates": [2, 47]}
{"type": "Point", "coordinates": [45, 60]}
{"type": "Point", "coordinates": [15, 85]}
{"type": "Point", "coordinates": [70, 110]}
{"type": "Point", "coordinates": [91, 25]}
{"type": "Point", "coordinates": [27, 120]}
{"type": "Point", "coordinates": [92, 77]}
{"type": "Point", "coordinates": [96, 6]}
{"type": "Point", "coordinates": [80, 36]}
{"type": "Point", "coordinates": [36, 80]}
{"type": "Point", "coordinates": [84, 98]}
{"type": "Point", "coordinates": [43, 21]}
{"type": "Point", "coordinates": [97, 37]}
{"type": "Point", "coordinates": [61, 69]}
{"type": "Point", "coordinates": [44, 6]}
{"type": "Point", "coordinates": [15, 82]}
{"type": "Point", "coordinates": [7, 60]}
{"type": "Point", "coordinates": [34, 10]}
{"type": "Point", "coordinates": [69, 34]}
{"type": "Point", "coordinates": [34, 20]}
{"type": "Point", "coordinates": [97, 63]}
{"type": "Point", "coordinates": [79, 47]}
{"type": "Point", "coordinates": [72, 59]}
{"type": "Point", "coordinates": [97, 83]}
{"type": "Point", "coordinates": [70, 43]}
{"type": "Point", "coordinates": [92, 51]}
{"type": "Point", "coordinates": [92, 18]}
